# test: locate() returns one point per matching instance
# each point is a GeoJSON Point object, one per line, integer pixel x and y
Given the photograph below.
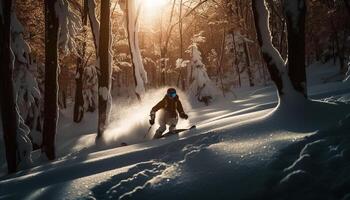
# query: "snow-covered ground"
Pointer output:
{"type": "Point", "coordinates": [230, 155]}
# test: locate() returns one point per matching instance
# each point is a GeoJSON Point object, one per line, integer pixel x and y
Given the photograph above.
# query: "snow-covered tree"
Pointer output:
{"type": "Point", "coordinates": [27, 90]}
{"type": "Point", "coordinates": [289, 76]}
{"type": "Point", "coordinates": [17, 143]}
{"type": "Point", "coordinates": [90, 87]}
{"type": "Point", "coordinates": [201, 87]}
{"type": "Point", "coordinates": [132, 13]}
{"type": "Point", "coordinates": [86, 74]}
{"type": "Point", "coordinates": [69, 25]}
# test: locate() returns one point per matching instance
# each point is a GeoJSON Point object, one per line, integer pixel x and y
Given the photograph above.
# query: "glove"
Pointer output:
{"type": "Point", "coordinates": [184, 116]}
{"type": "Point", "coordinates": [151, 121]}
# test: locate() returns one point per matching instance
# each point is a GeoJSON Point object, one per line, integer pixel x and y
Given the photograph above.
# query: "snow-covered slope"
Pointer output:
{"type": "Point", "coordinates": [228, 156]}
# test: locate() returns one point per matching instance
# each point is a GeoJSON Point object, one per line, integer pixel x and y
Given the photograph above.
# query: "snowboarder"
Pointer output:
{"type": "Point", "coordinates": [170, 104]}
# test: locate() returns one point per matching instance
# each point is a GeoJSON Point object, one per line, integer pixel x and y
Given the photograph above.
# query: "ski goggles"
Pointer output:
{"type": "Point", "coordinates": [172, 94]}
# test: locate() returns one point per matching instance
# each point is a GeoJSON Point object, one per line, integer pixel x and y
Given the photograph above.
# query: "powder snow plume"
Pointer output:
{"type": "Point", "coordinates": [130, 118]}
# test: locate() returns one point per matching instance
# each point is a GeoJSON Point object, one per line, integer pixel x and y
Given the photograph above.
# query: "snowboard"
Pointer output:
{"type": "Point", "coordinates": [177, 131]}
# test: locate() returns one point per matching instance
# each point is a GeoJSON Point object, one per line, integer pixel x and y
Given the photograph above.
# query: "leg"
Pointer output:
{"type": "Point", "coordinates": [159, 131]}
{"type": "Point", "coordinates": [172, 123]}
{"type": "Point", "coordinates": [162, 128]}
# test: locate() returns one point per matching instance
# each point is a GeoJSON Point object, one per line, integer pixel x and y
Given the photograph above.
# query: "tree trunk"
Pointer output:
{"type": "Point", "coordinates": [94, 24]}
{"type": "Point", "coordinates": [296, 44]}
{"type": "Point", "coordinates": [235, 62]}
{"type": "Point", "coordinates": [249, 64]}
{"type": "Point", "coordinates": [7, 98]}
{"type": "Point", "coordinates": [51, 79]}
{"type": "Point", "coordinates": [104, 79]}
{"type": "Point", "coordinates": [222, 53]}
{"type": "Point", "coordinates": [291, 84]}
{"type": "Point", "coordinates": [79, 98]}
{"type": "Point", "coordinates": [132, 17]}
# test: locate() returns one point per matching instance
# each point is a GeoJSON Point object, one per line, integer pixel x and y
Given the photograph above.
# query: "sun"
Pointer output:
{"type": "Point", "coordinates": [153, 5]}
{"type": "Point", "coordinates": [152, 10]}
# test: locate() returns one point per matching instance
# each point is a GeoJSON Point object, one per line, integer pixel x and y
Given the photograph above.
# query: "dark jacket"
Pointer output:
{"type": "Point", "coordinates": [170, 105]}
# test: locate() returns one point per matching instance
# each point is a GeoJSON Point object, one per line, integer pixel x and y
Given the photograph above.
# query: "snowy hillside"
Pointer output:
{"type": "Point", "coordinates": [228, 153]}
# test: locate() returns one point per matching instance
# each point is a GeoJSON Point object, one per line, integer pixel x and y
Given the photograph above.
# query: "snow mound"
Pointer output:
{"type": "Point", "coordinates": [317, 167]}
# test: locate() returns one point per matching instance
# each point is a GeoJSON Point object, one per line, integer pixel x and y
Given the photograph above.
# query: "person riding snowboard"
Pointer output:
{"type": "Point", "coordinates": [170, 104]}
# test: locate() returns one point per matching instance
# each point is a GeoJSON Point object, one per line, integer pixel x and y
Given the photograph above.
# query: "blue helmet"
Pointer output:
{"type": "Point", "coordinates": [171, 92]}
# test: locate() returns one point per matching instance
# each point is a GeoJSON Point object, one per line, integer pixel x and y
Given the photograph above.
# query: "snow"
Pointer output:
{"type": "Point", "coordinates": [27, 91]}
{"type": "Point", "coordinates": [201, 85]}
{"type": "Point", "coordinates": [223, 157]}
{"type": "Point", "coordinates": [69, 25]}
{"type": "Point", "coordinates": [236, 149]}
{"type": "Point", "coordinates": [319, 169]}
{"type": "Point", "coordinates": [104, 92]}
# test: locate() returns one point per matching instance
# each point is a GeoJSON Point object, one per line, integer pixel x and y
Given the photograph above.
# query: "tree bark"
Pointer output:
{"type": "Point", "coordinates": [51, 80]}
{"type": "Point", "coordinates": [79, 98]}
{"type": "Point", "coordinates": [131, 36]}
{"type": "Point", "coordinates": [293, 83]}
{"type": "Point", "coordinates": [296, 45]}
{"type": "Point", "coordinates": [249, 64]}
{"type": "Point", "coordinates": [7, 98]}
{"type": "Point", "coordinates": [105, 69]}
{"type": "Point", "coordinates": [272, 65]}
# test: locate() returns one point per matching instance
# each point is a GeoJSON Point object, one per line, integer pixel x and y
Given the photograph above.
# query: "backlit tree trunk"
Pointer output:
{"type": "Point", "coordinates": [296, 43]}
{"type": "Point", "coordinates": [104, 79]}
{"type": "Point", "coordinates": [51, 79]}
{"type": "Point", "coordinates": [7, 96]}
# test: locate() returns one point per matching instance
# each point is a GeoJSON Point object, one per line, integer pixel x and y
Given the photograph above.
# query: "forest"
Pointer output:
{"type": "Point", "coordinates": [175, 99]}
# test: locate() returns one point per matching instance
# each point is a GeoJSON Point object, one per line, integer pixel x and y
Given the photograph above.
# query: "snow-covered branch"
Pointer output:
{"type": "Point", "coordinates": [26, 89]}
{"type": "Point", "coordinates": [69, 26]}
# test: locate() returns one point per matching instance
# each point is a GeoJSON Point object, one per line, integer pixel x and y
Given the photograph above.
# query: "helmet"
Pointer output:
{"type": "Point", "coordinates": [171, 92]}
